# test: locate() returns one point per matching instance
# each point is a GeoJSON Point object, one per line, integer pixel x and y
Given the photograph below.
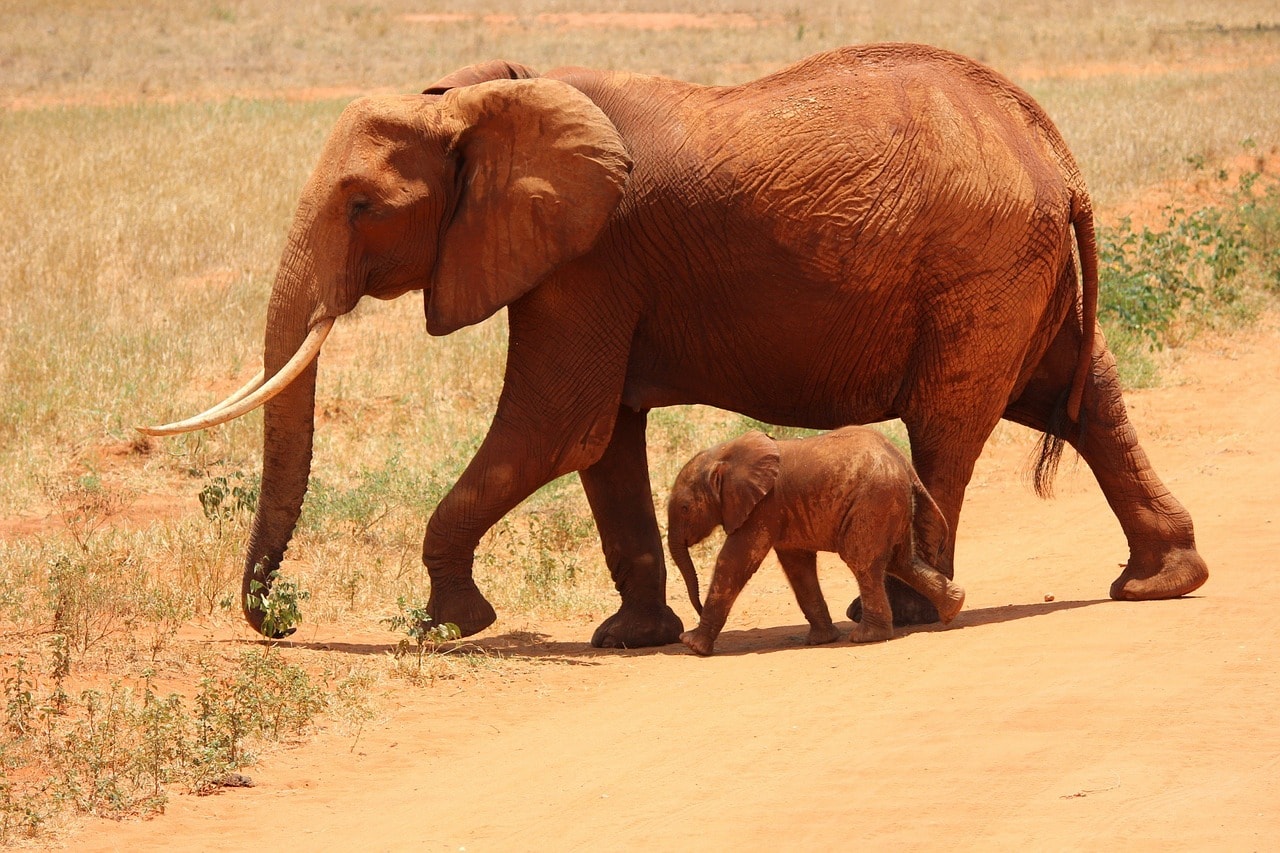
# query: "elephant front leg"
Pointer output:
{"type": "Point", "coordinates": [448, 552]}
{"type": "Point", "coordinates": [739, 557]}
{"type": "Point", "coordinates": [510, 465]}
{"type": "Point", "coordinates": [621, 499]}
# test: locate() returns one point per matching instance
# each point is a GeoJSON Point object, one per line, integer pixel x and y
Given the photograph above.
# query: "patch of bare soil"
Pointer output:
{"type": "Point", "coordinates": [112, 501]}
{"type": "Point", "coordinates": [1206, 189]}
{"type": "Point", "coordinates": [660, 21]}
{"type": "Point", "coordinates": [1047, 714]}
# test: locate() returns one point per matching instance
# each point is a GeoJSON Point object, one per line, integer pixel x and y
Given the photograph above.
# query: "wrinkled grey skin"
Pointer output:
{"type": "Point", "coordinates": [849, 491]}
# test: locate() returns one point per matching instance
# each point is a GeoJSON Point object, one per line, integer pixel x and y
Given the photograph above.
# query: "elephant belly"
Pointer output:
{"type": "Point", "coordinates": [793, 371]}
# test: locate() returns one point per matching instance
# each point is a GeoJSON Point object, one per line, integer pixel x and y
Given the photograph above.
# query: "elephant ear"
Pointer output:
{"type": "Point", "coordinates": [541, 170]}
{"type": "Point", "coordinates": [747, 472]}
{"type": "Point", "coordinates": [481, 72]}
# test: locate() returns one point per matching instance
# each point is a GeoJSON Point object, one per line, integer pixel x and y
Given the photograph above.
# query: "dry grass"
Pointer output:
{"type": "Point", "coordinates": [150, 160]}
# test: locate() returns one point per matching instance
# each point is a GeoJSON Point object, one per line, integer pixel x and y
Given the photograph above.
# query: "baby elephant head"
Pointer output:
{"type": "Point", "coordinates": [718, 487]}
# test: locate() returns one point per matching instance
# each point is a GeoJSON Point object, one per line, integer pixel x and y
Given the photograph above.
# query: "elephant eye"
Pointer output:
{"type": "Point", "coordinates": [357, 207]}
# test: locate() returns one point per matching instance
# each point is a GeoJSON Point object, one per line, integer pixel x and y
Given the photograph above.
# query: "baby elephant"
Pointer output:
{"type": "Point", "coordinates": [849, 491]}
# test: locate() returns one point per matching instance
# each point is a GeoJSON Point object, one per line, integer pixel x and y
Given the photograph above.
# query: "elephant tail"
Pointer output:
{"type": "Point", "coordinates": [929, 525]}
{"type": "Point", "coordinates": [1054, 441]}
{"type": "Point", "coordinates": [1086, 243]}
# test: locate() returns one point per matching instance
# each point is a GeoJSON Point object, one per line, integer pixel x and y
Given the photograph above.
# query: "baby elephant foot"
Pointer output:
{"type": "Point", "coordinates": [819, 635]}
{"type": "Point", "coordinates": [700, 642]}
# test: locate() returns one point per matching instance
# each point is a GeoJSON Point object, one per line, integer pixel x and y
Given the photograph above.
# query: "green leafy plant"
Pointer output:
{"type": "Point", "coordinates": [1257, 205]}
{"type": "Point", "coordinates": [97, 754]}
{"type": "Point", "coordinates": [360, 509]}
{"type": "Point", "coordinates": [264, 696]}
{"type": "Point", "coordinates": [164, 610]}
{"type": "Point", "coordinates": [19, 698]}
{"type": "Point", "coordinates": [1194, 268]}
{"type": "Point", "coordinates": [229, 496]}
{"type": "Point", "coordinates": [412, 618]}
{"type": "Point", "coordinates": [280, 603]}
{"type": "Point", "coordinates": [165, 747]}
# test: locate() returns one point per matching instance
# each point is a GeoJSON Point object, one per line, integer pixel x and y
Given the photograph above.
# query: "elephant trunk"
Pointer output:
{"type": "Point", "coordinates": [680, 553]}
{"type": "Point", "coordinates": [288, 428]}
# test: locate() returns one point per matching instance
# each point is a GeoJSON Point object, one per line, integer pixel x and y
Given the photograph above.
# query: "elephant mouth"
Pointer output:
{"type": "Point", "coordinates": [255, 392]}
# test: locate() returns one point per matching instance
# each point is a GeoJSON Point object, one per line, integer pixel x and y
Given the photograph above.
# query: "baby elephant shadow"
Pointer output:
{"type": "Point", "coordinates": [752, 641]}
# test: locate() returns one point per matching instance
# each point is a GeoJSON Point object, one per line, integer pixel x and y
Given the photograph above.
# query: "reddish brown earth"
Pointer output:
{"type": "Point", "coordinates": [1070, 723]}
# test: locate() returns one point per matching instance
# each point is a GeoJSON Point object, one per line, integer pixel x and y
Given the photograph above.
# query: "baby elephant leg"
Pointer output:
{"type": "Point", "coordinates": [738, 560]}
{"type": "Point", "coordinates": [877, 615]}
{"type": "Point", "coordinates": [801, 568]}
{"type": "Point", "coordinates": [944, 594]}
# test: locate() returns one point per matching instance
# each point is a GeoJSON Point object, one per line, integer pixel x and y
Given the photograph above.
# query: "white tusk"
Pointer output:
{"type": "Point", "coordinates": [244, 391]}
{"type": "Point", "coordinates": [246, 400]}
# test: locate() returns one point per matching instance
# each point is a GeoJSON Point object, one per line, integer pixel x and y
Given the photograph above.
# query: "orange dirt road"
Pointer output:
{"type": "Point", "coordinates": [1073, 724]}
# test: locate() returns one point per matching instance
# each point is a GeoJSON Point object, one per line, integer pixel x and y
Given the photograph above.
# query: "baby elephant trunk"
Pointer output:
{"type": "Point", "coordinates": [680, 553]}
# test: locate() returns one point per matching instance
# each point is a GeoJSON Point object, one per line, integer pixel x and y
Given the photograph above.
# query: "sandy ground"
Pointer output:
{"type": "Point", "coordinates": [1077, 723]}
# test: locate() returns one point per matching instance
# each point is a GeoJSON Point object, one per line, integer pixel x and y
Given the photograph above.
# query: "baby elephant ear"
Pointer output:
{"type": "Point", "coordinates": [749, 471]}
{"type": "Point", "coordinates": [540, 171]}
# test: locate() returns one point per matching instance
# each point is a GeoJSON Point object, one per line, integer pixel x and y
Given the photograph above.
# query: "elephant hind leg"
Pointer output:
{"type": "Point", "coordinates": [943, 593]}
{"type": "Point", "coordinates": [1163, 560]}
{"type": "Point", "coordinates": [621, 500]}
{"type": "Point", "coordinates": [801, 568]}
{"type": "Point", "coordinates": [944, 447]}
{"type": "Point", "coordinates": [958, 391]}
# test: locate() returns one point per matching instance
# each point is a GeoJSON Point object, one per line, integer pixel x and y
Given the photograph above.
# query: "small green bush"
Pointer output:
{"type": "Point", "coordinates": [1160, 285]}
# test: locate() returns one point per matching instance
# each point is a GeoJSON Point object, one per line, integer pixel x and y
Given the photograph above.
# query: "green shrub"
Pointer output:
{"type": "Point", "coordinates": [1201, 268]}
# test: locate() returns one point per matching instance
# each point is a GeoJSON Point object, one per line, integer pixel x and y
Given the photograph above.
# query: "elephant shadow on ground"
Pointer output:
{"type": "Point", "coordinates": [513, 645]}
{"type": "Point", "coordinates": [743, 641]}
{"type": "Point", "coordinates": [753, 641]}
{"type": "Point", "coordinates": [535, 646]}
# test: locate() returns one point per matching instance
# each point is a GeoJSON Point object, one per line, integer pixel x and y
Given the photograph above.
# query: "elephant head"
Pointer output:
{"type": "Point", "coordinates": [720, 486]}
{"type": "Point", "coordinates": [472, 196]}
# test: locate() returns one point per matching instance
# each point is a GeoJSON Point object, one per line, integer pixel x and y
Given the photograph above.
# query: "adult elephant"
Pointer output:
{"type": "Point", "coordinates": [874, 232]}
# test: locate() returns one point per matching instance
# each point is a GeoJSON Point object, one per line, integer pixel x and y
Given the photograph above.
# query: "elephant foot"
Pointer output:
{"type": "Point", "coordinates": [460, 602]}
{"type": "Point", "coordinates": [909, 606]}
{"type": "Point", "coordinates": [634, 627]}
{"type": "Point", "coordinates": [1169, 574]}
{"type": "Point", "coordinates": [819, 636]}
{"type": "Point", "coordinates": [700, 642]}
{"type": "Point", "coordinates": [952, 601]}
{"type": "Point", "coordinates": [869, 632]}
